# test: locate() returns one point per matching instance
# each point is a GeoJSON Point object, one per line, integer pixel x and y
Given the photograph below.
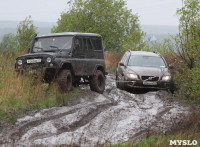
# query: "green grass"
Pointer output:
{"type": "Point", "coordinates": [188, 130]}
{"type": "Point", "coordinates": [162, 140]}
{"type": "Point", "coordinates": [19, 94]}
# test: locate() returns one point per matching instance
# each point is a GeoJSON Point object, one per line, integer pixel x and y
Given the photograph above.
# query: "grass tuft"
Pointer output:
{"type": "Point", "coordinates": [19, 94]}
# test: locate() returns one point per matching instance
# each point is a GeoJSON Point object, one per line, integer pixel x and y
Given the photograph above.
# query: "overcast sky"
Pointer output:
{"type": "Point", "coordinates": [151, 12]}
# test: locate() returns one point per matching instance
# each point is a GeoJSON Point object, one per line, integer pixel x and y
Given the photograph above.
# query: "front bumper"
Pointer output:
{"type": "Point", "coordinates": [152, 85]}
{"type": "Point", "coordinates": [48, 68]}
{"type": "Point", "coordinates": [35, 66]}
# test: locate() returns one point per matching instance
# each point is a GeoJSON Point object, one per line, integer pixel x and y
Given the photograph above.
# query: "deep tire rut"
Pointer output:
{"type": "Point", "coordinates": [114, 116]}
{"type": "Point", "coordinates": [85, 119]}
{"type": "Point", "coordinates": [23, 129]}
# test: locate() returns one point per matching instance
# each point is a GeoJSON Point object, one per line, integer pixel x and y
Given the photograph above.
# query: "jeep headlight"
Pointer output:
{"type": "Point", "coordinates": [19, 62]}
{"type": "Point", "coordinates": [166, 78]}
{"type": "Point", "coordinates": [49, 59]}
{"type": "Point", "coordinates": [132, 76]}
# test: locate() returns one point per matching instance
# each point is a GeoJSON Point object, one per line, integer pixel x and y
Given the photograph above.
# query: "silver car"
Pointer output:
{"type": "Point", "coordinates": [140, 69]}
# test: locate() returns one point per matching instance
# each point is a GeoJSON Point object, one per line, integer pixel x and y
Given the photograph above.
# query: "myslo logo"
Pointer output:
{"type": "Point", "coordinates": [182, 142]}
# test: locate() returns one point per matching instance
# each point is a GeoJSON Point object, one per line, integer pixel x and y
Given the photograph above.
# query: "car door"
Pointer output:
{"type": "Point", "coordinates": [78, 57]}
{"type": "Point", "coordinates": [90, 58]}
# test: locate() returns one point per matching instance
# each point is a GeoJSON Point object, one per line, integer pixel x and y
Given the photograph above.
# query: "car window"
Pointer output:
{"type": "Point", "coordinates": [96, 43]}
{"type": "Point", "coordinates": [45, 43]}
{"type": "Point", "coordinates": [146, 61]}
{"type": "Point", "coordinates": [89, 44]}
{"type": "Point", "coordinates": [78, 42]}
{"type": "Point", "coordinates": [124, 58]}
{"type": "Point", "coordinates": [85, 43]}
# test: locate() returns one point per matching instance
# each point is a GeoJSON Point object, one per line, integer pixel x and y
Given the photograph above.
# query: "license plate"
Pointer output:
{"type": "Point", "coordinates": [149, 83]}
{"type": "Point", "coordinates": [34, 61]}
{"type": "Point", "coordinates": [33, 71]}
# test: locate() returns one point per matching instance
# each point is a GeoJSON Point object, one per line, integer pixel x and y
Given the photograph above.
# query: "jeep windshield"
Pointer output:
{"type": "Point", "coordinates": [146, 61]}
{"type": "Point", "coordinates": [52, 44]}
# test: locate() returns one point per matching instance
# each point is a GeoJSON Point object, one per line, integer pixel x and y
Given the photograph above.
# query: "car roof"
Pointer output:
{"type": "Point", "coordinates": [70, 34]}
{"type": "Point", "coordinates": [144, 53]}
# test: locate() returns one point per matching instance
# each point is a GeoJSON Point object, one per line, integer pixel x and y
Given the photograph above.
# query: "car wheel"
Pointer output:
{"type": "Point", "coordinates": [121, 84]}
{"type": "Point", "coordinates": [97, 82]}
{"type": "Point", "coordinates": [117, 81]}
{"type": "Point", "coordinates": [172, 89]}
{"type": "Point", "coordinates": [65, 80]}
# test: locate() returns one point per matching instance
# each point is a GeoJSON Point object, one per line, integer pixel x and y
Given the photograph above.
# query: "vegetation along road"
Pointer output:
{"type": "Point", "coordinates": [112, 117]}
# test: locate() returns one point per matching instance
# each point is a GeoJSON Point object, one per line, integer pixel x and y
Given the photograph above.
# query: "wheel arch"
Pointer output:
{"type": "Point", "coordinates": [66, 66]}
{"type": "Point", "coordinates": [101, 68]}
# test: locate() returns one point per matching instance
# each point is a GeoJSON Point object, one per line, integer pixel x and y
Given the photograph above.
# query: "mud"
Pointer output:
{"type": "Point", "coordinates": [112, 117]}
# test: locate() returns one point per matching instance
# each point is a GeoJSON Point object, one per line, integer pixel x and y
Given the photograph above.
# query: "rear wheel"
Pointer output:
{"type": "Point", "coordinates": [97, 82]}
{"type": "Point", "coordinates": [121, 84]}
{"type": "Point", "coordinates": [117, 81]}
{"type": "Point", "coordinates": [65, 80]}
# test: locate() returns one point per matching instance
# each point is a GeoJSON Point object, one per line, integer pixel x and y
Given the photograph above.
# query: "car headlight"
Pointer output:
{"type": "Point", "coordinates": [49, 59]}
{"type": "Point", "coordinates": [166, 78]}
{"type": "Point", "coordinates": [19, 62]}
{"type": "Point", "coordinates": [132, 76]}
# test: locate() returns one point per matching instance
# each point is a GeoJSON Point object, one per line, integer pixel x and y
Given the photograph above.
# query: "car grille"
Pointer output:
{"type": "Point", "coordinates": [150, 78]}
{"type": "Point", "coordinates": [34, 65]}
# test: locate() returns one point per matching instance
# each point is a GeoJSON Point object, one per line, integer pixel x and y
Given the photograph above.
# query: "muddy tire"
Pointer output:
{"type": "Point", "coordinates": [65, 80]}
{"type": "Point", "coordinates": [117, 83]}
{"type": "Point", "coordinates": [97, 82]}
{"type": "Point", "coordinates": [121, 84]}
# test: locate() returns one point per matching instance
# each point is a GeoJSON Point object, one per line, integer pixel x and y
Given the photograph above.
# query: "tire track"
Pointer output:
{"type": "Point", "coordinates": [112, 117]}
{"type": "Point", "coordinates": [23, 129]}
{"type": "Point", "coordinates": [85, 119]}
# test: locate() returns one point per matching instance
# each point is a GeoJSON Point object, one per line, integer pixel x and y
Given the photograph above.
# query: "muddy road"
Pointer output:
{"type": "Point", "coordinates": [112, 117]}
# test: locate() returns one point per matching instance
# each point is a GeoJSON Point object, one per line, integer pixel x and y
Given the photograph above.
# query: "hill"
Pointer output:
{"type": "Point", "coordinates": [160, 32]}
{"type": "Point", "coordinates": [157, 29]}
{"type": "Point", "coordinates": [11, 27]}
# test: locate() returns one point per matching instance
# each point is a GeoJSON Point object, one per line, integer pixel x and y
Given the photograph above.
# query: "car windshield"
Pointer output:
{"type": "Point", "coordinates": [146, 61]}
{"type": "Point", "coordinates": [54, 43]}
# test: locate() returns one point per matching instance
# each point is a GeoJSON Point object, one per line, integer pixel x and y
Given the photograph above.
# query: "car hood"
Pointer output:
{"type": "Point", "coordinates": [148, 71]}
{"type": "Point", "coordinates": [36, 55]}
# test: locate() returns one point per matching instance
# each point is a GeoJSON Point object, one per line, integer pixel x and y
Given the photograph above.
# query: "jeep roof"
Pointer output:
{"type": "Point", "coordinates": [70, 34]}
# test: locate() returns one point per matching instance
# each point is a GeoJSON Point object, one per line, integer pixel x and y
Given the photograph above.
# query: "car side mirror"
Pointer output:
{"type": "Point", "coordinates": [171, 66]}
{"type": "Point", "coordinates": [121, 64]}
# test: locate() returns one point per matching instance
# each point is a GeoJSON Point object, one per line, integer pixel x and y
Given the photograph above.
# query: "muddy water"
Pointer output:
{"type": "Point", "coordinates": [112, 117]}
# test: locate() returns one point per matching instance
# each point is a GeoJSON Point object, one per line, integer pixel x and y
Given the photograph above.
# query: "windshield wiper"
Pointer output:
{"type": "Point", "coordinates": [38, 47]}
{"type": "Point", "coordinates": [41, 49]}
{"type": "Point", "coordinates": [54, 46]}
{"type": "Point", "coordinates": [54, 50]}
{"type": "Point", "coordinates": [60, 49]}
